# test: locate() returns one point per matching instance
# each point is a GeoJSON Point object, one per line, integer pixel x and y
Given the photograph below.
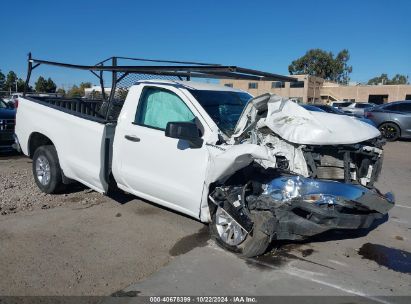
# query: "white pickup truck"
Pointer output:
{"type": "Point", "coordinates": [257, 169]}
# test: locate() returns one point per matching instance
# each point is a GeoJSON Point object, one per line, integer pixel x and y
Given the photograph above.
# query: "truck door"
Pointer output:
{"type": "Point", "coordinates": [161, 169]}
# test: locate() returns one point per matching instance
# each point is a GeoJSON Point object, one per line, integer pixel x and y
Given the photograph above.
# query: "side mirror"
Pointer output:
{"type": "Point", "coordinates": [185, 130]}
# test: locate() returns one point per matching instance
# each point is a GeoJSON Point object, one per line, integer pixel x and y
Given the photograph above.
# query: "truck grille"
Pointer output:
{"type": "Point", "coordinates": [357, 163]}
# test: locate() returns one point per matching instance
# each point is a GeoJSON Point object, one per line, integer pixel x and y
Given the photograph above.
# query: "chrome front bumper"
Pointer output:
{"type": "Point", "coordinates": [320, 192]}
{"type": "Point", "coordinates": [305, 207]}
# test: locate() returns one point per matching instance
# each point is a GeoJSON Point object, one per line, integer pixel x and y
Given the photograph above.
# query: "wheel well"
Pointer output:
{"type": "Point", "coordinates": [37, 140]}
{"type": "Point", "coordinates": [392, 122]}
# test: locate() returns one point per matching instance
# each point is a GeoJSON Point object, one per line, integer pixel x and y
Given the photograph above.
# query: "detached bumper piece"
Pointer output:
{"type": "Point", "coordinates": [305, 207]}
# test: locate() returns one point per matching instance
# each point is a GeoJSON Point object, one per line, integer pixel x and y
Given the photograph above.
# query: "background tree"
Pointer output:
{"type": "Point", "coordinates": [83, 86]}
{"type": "Point", "coordinates": [21, 84]}
{"type": "Point", "coordinates": [10, 83]}
{"type": "Point", "coordinates": [384, 79]}
{"type": "Point", "coordinates": [61, 92]}
{"type": "Point", "coordinates": [78, 91]}
{"type": "Point", "coordinates": [74, 92]}
{"type": "Point", "coordinates": [51, 86]}
{"type": "Point", "coordinates": [2, 80]}
{"type": "Point", "coordinates": [40, 85]}
{"type": "Point", "coordinates": [341, 69]}
{"type": "Point", "coordinates": [317, 62]}
{"type": "Point", "coordinates": [399, 79]}
{"type": "Point", "coordinates": [45, 86]}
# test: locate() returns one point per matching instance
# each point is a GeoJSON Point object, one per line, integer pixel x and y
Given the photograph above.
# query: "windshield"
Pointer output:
{"type": "Point", "coordinates": [224, 107]}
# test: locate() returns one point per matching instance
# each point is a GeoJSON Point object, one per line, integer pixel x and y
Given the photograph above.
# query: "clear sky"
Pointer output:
{"type": "Point", "coordinates": [264, 35]}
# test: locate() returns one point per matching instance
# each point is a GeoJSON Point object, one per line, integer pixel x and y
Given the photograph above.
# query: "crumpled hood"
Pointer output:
{"type": "Point", "coordinates": [295, 124]}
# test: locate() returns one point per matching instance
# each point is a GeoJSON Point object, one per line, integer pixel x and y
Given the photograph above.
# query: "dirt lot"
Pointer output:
{"type": "Point", "coordinates": [83, 243]}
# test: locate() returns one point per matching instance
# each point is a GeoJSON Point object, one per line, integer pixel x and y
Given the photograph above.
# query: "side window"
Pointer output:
{"type": "Point", "coordinates": [362, 105]}
{"type": "Point", "coordinates": [405, 107]}
{"type": "Point", "coordinates": [297, 84]}
{"type": "Point", "coordinates": [158, 106]}
{"type": "Point", "coordinates": [253, 85]}
{"type": "Point", "coordinates": [390, 108]}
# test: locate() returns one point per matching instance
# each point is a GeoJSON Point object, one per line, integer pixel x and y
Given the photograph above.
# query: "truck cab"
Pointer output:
{"type": "Point", "coordinates": [146, 157]}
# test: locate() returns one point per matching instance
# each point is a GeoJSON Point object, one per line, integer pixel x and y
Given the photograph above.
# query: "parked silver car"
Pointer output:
{"type": "Point", "coordinates": [393, 119]}
{"type": "Point", "coordinates": [332, 110]}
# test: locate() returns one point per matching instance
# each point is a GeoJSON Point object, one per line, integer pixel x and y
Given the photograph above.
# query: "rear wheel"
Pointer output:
{"type": "Point", "coordinates": [46, 169]}
{"type": "Point", "coordinates": [229, 235]}
{"type": "Point", "coordinates": [390, 131]}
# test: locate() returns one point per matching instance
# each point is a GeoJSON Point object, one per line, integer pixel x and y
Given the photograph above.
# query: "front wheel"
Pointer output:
{"type": "Point", "coordinates": [390, 131]}
{"type": "Point", "coordinates": [229, 234]}
{"type": "Point", "coordinates": [46, 169]}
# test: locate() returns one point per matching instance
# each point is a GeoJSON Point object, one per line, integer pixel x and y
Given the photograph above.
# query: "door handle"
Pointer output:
{"type": "Point", "coordinates": [132, 138]}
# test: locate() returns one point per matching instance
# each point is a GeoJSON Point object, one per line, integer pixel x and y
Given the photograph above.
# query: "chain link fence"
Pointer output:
{"type": "Point", "coordinates": [126, 80]}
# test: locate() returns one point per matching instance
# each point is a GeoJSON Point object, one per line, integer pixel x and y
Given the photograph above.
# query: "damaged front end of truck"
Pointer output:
{"type": "Point", "coordinates": [287, 174]}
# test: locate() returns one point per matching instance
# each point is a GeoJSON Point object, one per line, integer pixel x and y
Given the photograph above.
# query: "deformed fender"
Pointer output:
{"type": "Point", "coordinates": [224, 163]}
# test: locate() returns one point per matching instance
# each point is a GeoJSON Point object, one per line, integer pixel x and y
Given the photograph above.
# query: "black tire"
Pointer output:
{"type": "Point", "coordinates": [54, 183]}
{"type": "Point", "coordinates": [390, 131]}
{"type": "Point", "coordinates": [255, 243]}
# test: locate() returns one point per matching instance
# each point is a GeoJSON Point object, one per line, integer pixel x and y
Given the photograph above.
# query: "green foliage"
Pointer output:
{"type": "Point", "coordinates": [10, 83]}
{"type": "Point", "coordinates": [399, 79]}
{"type": "Point", "coordinates": [317, 62]}
{"type": "Point", "coordinates": [51, 86]}
{"type": "Point", "coordinates": [75, 91]}
{"type": "Point", "coordinates": [122, 93]}
{"type": "Point", "coordinates": [78, 91]}
{"type": "Point", "coordinates": [20, 85]}
{"type": "Point", "coordinates": [85, 85]}
{"type": "Point", "coordinates": [2, 80]}
{"type": "Point", "coordinates": [380, 79]}
{"type": "Point", "coordinates": [40, 85]}
{"type": "Point", "coordinates": [61, 92]}
{"type": "Point", "coordinates": [384, 79]}
{"type": "Point", "coordinates": [45, 86]}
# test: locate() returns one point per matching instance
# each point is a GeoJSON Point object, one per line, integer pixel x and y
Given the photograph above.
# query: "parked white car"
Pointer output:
{"type": "Point", "coordinates": [14, 99]}
{"type": "Point", "coordinates": [357, 108]}
{"type": "Point", "coordinates": [257, 169]}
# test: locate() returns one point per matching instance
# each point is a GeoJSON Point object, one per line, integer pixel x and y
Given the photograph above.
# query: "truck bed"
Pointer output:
{"type": "Point", "coordinates": [82, 136]}
{"type": "Point", "coordinates": [90, 109]}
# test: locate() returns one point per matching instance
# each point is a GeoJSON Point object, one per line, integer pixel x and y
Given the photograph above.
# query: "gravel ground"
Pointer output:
{"type": "Point", "coordinates": [18, 192]}
{"type": "Point", "coordinates": [82, 242]}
